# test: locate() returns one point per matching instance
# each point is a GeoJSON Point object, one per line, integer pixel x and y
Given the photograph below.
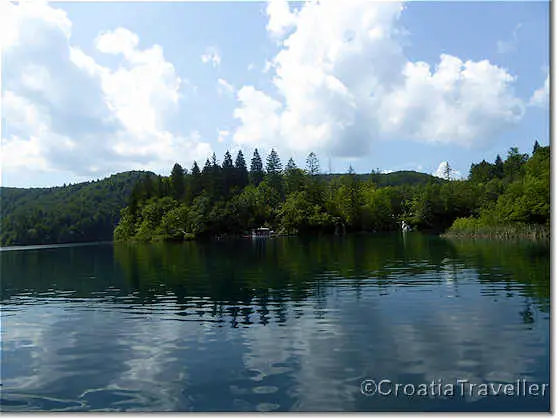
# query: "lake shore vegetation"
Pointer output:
{"type": "Point", "coordinates": [507, 198]}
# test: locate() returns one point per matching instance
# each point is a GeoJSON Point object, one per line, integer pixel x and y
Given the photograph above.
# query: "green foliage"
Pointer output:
{"type": "Point", "coordinates": [403, 178]}
{"type": "Point", "coordinates": [377, 211]}
{"type": "Point", "coordinates": [482, 172]}
{"type": "Point", "coordinates": [226, 199]}
{"type": "Point", "coordinates": [518, 204]}
{"type": "Point", "coordinates": [481, 228]}
{"type": "Point", "coordinates": [151, 216]}
{"type": "Point", "coordinates": [81, 212]}
{"type": "Point", "coordinates": [512, 168]}
{"type": "Point", "coordinates": [294, 178]}
{"type": "Point", "coordinates": [194, 183]}
{"type": "Point", "coordinates": [177, 182]}
{"type": "Point", "coordinates": [298, 214]}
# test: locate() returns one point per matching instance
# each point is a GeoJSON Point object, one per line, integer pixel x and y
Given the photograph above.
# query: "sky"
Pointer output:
{"type": "Point", "coordinates": [92, 89]}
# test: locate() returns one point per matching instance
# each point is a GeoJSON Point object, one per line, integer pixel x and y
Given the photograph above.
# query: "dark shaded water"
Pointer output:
{"type": "Point", "coordinates": [280, 324]}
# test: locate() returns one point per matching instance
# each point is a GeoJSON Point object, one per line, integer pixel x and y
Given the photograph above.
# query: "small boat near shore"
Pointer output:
{"type": "Point", "coordinates": [262, 233]}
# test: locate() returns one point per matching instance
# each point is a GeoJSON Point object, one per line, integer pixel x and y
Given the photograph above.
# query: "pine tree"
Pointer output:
{"type": "Point", "coordinates": [447, 171]}
{"type": "Point", "coordinates": [207, 167]}
{"type": "Point", "coordinates": [536, 147]}
{"type": "Point", "coordinates": [314, 186]}
{"type": "Point", "coordinates": [481, 172]}
{"type": "Point", "coordinates": [194, 183]}
{"type": "Point", "coordinates": [293, 177]}
{"type": "Point", "coordinates": [274, 172]}
{"type": "Point", "coordinates": [227, 162]}
{"type": "Point", "coordinates": [206, 176]}
{"type": "Point", "coordinates": [216, 180]}
{"type": "Point", "coordinates": [214, 161]}
{"type": "Point", "coordinates": [241, 178]}
{"type": "Point", "coordinates": [195, 170]}
{"type": "Point", "coordinates": [177, 182]}
{"type": "Point", "coordinates": [499, 171]}
{"type": "Point", "coordinates": [512, 168]}
{"type": "Point", "coordinates": [228, 173]}
{"type": "Point", "coordinates": [290, 166]}
{"type": "Point", "coordinates": [256, 173]}
{"type": "Point", "coordinates": [274, 166]}
{"type": "Point", "coordinates": [312, 164]}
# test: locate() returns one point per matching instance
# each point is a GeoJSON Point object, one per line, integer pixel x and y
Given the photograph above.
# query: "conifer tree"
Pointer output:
{"type": "Point", "coordinates": [195, 182]}
{"type": "Point", "coordinates": [536, 147]}
{"type": "Point", "coordinates": [177, 182]}
{"type": "Point", "coordinates": [228, 173]}
{"type": "Point", "coordinates": [499, 172]}
{"type": "Point", "coordinates": [293, 177]}
{"type": "Point", "coordinates": [256, 173]}
{"type": "Point", "coordinates": [312, 164]}
{"type": "Point", "coordinates": [241, 178]}
{"type": "Point", "coordinates": [274, 172]}
{"type": "Point", "coordinates": [274, 166]}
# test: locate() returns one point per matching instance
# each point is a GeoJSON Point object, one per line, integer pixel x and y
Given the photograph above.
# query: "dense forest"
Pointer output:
{"type": "Point", "coordinates": [81, 212]}
{"type": "Point", "coordinates": [228, 199]}
{"type": "Point", "coordinates": [514, 196]}
{"type": "Point", "coordinates": [89, 211]}
{"type": "Point", "coordinates": [504, 198]}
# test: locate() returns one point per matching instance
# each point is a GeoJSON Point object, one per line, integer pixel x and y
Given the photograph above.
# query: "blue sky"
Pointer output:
{"type": "Point", "coordinates": [390, 86]}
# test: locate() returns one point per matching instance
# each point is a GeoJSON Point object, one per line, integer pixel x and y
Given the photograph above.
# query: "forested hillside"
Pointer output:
{"type": "Point", "coordinates": [81, 212]}
{"type": "Point", "coordinates": [228, 199]}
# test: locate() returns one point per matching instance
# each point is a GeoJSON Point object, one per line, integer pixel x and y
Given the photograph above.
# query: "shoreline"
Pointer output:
{"type": "Point", "coordinates": [518, 232]}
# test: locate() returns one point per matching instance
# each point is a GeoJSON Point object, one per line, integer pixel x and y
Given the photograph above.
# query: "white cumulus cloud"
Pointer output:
{"type": "Point", "coordinates": [281, 19]}
{"type": "Point", "coordinates": [67, 113]}
{"type": "Point", "coordinates": [259, 116]}
{"type": "Point", "coordinates": [343, 80]}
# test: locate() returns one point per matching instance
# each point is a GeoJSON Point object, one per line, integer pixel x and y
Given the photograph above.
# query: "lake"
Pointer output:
{"type": "Point", "coordinates": [357, 323]}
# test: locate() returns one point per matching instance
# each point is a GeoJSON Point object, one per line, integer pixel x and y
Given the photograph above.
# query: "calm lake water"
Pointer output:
{"type": "Point", "coordinates": [280, 324]}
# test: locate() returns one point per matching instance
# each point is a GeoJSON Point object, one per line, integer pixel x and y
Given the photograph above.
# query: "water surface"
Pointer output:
{"type": "Point", "coordinates": [280, 324]}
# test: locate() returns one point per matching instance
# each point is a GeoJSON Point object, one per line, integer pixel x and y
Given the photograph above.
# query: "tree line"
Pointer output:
{"type": "Point", "coordinates": [229, 199]}
{"type": "Point", "coordinates": [504, 196]}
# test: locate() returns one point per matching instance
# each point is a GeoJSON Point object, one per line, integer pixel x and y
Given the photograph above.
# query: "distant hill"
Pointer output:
{"type": "Point", "coordinates": [403, 177]}
{"type": "Point", "coordinates": [82, 212]}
